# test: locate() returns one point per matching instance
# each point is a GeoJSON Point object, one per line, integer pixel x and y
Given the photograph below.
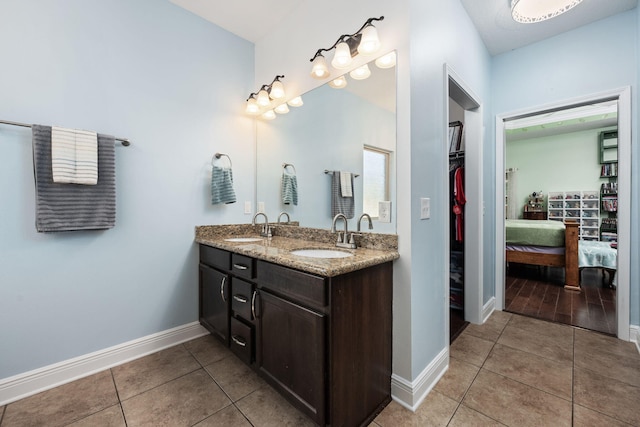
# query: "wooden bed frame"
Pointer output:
{"type": "Point", "coordinates": [569, 260]}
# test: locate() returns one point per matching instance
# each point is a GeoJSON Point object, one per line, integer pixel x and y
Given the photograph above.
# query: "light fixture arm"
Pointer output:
{"type": "Point", "coordinates": [351, 39]}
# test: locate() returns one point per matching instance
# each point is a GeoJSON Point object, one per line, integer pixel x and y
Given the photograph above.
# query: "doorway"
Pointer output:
{"type": "Point", "coordinates": [622, 98]}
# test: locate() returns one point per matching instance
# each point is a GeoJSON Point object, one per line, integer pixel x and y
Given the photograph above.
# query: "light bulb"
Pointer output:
{"type": "Point", "coordinates": [342, 57]}
{"type": "Point", "coordinates": [282, 109]}
{"type": "Point", "coordinates": [296, 102]}
{"type": "Point", "coordinates": [338, 83]}
{"type": "Point", "coordinates": [277, 90]}
{"type": "Point", "coordinates": [387, 61]}
{"type": "Point", "coordinates": [369, 43]}
{"type": "Point", "coordinates": [269, 115]}
{"type": "Point", "coordinates": [319, 69]}
{"type": "Point", "coordinates": [263, 98]}
{"type": "Point", "coordinates": [252, 106]}
{"type": "Point", "coordinates": [360, 73]}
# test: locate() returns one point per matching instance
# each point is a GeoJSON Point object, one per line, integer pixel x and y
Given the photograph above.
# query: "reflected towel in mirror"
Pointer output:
{"type": "Point", "coordinates": [340, 204]}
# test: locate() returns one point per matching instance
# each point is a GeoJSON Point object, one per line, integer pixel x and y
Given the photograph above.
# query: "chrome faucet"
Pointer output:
{"type": "Point", "coordinates": [266, 229]}
{"type": "Point", "coordinates": [343, 242]}
{"type": "Point", "coordinates": [284, 213]}
{"type": "Point", "coordinates": [368, 217]}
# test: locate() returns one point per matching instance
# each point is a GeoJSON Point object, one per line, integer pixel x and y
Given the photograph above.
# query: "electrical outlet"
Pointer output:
{"type": "Point", "coordinates": [425, 208]}
{"type": "Point", "coordinates": [260, 206]}
{"type": "Point", "coordinates": [384, 211]}
{"type": "Point", "coordinates": [247, 208]}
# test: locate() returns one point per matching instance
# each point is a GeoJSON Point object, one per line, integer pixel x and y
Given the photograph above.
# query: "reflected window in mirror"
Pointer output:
{"type": "Point", "coordinates": [375, 181]}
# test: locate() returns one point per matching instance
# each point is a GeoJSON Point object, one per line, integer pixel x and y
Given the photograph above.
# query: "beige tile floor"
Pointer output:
{"type": "Point", "coordinates": [512, 371]}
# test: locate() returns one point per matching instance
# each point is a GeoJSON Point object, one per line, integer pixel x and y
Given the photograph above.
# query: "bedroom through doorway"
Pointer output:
{"type": "Point", "coordinates": [561, 167]}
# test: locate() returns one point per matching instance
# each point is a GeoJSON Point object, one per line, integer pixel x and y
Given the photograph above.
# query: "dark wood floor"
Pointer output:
{"type": "Point", "coordinates": [539, 292]}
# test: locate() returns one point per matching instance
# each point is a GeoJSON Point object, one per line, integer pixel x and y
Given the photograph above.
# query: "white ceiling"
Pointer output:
{"type": "Point", "coordinates": [252, 19]}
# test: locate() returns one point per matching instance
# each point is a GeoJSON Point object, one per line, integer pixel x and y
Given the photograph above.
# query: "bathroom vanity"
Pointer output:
{"type": "Point", "coordinates": [317, 329]}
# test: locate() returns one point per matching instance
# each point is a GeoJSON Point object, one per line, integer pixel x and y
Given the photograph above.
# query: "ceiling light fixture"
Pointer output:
{"type": "Point", "coordinates": [532, 11]}
{"type": "Point", "coordinates": [365, 41]}
{"type": "Point", "coordinates": [262, 99]}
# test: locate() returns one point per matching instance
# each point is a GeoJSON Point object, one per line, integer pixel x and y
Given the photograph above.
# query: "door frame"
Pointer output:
{"type": "Point", "coordinates": [623, 96]}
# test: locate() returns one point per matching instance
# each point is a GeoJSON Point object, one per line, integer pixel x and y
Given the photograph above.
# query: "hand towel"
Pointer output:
{"type": "Point", "coordinates": [339, 204]}
{"type": "Point", "coordinates": [222, 185]}
{"type": "Point", "coordinates": [346, 184]}
{"type": "Point", "coordinates": [74, 156]}
{"type": "Point", "coordinates": [64, 207]}
{"type": "Point", "coordinates": [289, 188]}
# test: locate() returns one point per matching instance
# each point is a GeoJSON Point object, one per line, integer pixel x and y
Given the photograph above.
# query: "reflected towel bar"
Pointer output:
{"type": "Point", "coordinates": [355, 175]}
{"type": "Point", "coordinates": [125, 142]}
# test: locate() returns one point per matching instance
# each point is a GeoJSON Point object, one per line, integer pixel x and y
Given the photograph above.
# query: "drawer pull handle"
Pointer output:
{"type": "Point", "coordinates": [239, 341]}
{"type": "Point", "coordinates": [240, 267]}
{"type": "Point", "coordinates": [239, 298]}
{"type": "Point", "coordinates": [253, 304]}
{"type": "Point", "coordinates": [222, 283]}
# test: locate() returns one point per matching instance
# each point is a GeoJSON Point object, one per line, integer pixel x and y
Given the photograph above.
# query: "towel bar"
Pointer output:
{"type": "Point", "coordinates": [125, 142]}
{"type": "Point", "coordinates": [355, 175]}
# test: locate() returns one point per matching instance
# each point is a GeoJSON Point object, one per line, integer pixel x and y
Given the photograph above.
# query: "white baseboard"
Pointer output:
{"type": "Point", "coordinates": [634, 335]}
{"type": "Point", "coordinates": [410, 394]}
{"type": "Point", "coordinates": [41, 379]}
{"type": "Point", "coordinates": [488, 308]}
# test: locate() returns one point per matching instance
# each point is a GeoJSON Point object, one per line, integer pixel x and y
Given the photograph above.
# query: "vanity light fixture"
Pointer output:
{"type": "Point", "coordinates": [268, 115]}
{"type": "Point", "coordinates": [532, 11]}
{"type": "Point", "coordinates": [282, 109]}
{"type": "Point", "coordinates": [262, 99]}
{"type": "Point", "coordinates": [365, 41]}
{"type": "Point", "coordinates": [360, 73]}
{"type": "Point", "coordinates": [296, 102]}
{"type": "Point", "coordinates": [338, 83]}
{"type": "Point", "coordinates": [387, 61]}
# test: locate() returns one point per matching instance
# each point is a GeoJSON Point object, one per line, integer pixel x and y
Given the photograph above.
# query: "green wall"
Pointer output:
{"type": "Point", "coordinates": [564, 162]}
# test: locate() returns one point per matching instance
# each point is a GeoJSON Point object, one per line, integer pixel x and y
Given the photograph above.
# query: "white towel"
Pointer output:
{"type": "Point", "coordinates": [346, 189]}
{"type": "Point", "coordinates": [74, 156]}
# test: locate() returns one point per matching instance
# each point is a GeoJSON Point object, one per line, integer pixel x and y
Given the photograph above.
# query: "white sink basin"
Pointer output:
{"type": "Point", "coordinates": [243, 239]}
{"type": "Point", "coordinates": [321, 253]}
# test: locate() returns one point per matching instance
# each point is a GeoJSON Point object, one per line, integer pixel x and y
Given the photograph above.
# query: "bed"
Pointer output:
{"type": "Point", "coordinates": [547, 243]}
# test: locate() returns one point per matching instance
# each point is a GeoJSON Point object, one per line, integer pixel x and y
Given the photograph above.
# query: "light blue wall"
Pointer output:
{"type": "Point", "coordinates": [591, 59]}
{"type": "Point", "coordinates": [441, 32]}
{"type": "Point", "coordinates": [172, 83]}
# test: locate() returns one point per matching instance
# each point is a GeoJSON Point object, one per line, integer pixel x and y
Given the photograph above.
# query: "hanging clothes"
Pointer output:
{"type": "Point", "coordinates": [459, 202]}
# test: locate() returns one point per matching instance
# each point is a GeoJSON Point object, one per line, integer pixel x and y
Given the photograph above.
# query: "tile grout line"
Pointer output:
{"type": "Point", "coordinates": [4, 409]}
{"type": "Point", "coordinates": [115, 386]}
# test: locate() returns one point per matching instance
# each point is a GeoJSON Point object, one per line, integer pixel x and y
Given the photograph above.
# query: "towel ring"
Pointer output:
{"type": "Point", "coordinates": [219, 155]}
{"type": "Point", "coordinates": [284, 166]}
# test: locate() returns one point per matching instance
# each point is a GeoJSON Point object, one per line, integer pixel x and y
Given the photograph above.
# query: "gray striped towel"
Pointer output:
{"type": "Point", "coordinates": [339, 204]}
{"type": "Point", "coordinates": [222, 185]}
{"type": "Point", "coordinates": [289, 188]}
{"type": "Point", "coordinates": [69, 207]}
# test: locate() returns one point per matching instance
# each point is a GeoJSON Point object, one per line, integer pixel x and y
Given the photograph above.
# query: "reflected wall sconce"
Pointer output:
{"type": "Point", "coordinates": [532, 11]}
{"type": "Point", "coordinates": [365, 41]}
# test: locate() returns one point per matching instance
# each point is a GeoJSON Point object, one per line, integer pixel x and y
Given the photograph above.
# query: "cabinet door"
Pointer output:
{"type": "Point", "coordinates": [214, 302]}
{"type": "Point", "coordinates": [291, 352]}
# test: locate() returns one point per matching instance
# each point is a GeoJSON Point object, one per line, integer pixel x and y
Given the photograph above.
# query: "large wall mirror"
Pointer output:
{"type": "Point", "coordinates": [352, 129]}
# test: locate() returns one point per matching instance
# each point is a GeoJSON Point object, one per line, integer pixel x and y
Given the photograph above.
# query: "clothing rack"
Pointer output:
{"type": "Point", "coordinates": [125, 142]}
{"type": "Point", "coordinates": [285, 165]}
{"type": "Point", "coordinates": [456, 155]}
{"type": "Point", "coordinates": [355, 175]}
{"type": "Point", "coordinates": [219, 155]}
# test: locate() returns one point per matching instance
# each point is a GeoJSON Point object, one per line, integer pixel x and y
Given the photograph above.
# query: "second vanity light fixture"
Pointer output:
{"type": "Point", "coordinates": [268, 94]}
{"type": "Point", "coordinates": [364, 41]}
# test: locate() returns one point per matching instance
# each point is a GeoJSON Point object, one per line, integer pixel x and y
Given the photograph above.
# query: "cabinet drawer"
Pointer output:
{"type": "Point", "coordinates": [298, 285]}
{"type": "Point", "coordinates": [242, 266]}
{"type": "Point", "coordinates": [242, 340]}
{"type": "Point", "coordinates": [215, 257]}
{"type": "Point", "coordinates": [241, 299]}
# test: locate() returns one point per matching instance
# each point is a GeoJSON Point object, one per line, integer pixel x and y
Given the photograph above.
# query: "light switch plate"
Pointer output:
{"type": "Point", "coordinates": [384, 211]}
{"type": "Point", "coordinates": [247, 207]}
{"type": "Point", "coordinates": [260, 206]}
{"type": "Point", "coordinates": [425, 208]}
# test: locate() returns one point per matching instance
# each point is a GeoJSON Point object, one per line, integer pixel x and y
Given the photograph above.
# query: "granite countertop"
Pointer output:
{"type": "Point", "coordinates": [277, 249]}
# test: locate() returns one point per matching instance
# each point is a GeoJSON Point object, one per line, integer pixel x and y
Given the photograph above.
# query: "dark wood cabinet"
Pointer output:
{"type": "Point", "coordinates": [534, 215]}
{"type": "Point", "coordinates": [214, 302]}
{"type": "Point", "coordinates": [323, 342]}
{"type": "Point", "coordinates": [291, 352]}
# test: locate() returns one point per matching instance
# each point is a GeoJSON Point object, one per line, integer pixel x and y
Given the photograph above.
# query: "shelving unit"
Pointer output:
{"type": "Point", "coordinates": [609, 190]}
{"type": "Point", "coordinates": [583, 206]}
